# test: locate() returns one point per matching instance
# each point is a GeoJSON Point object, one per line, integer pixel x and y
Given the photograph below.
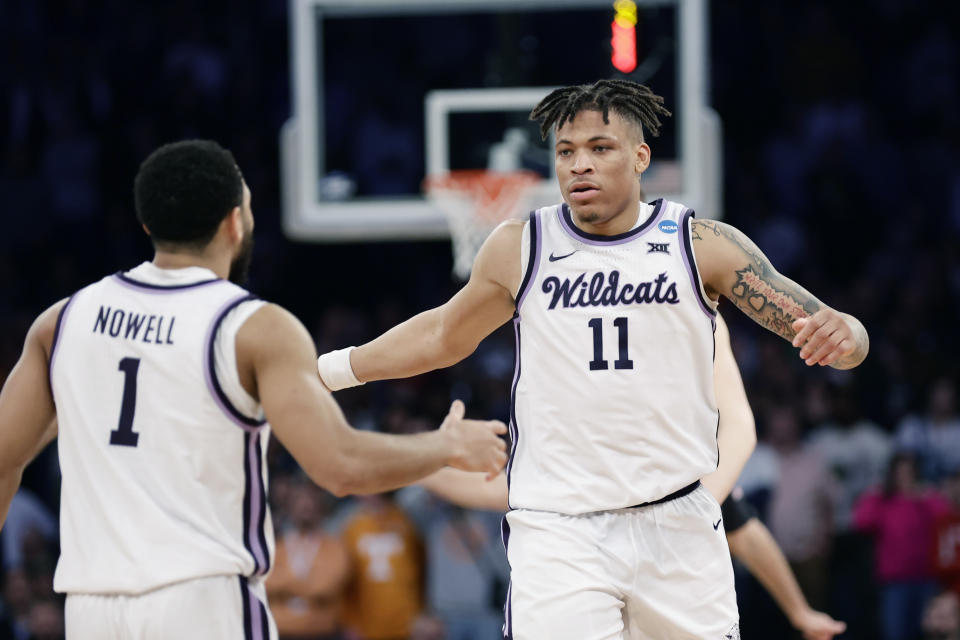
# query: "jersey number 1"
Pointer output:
{"type": "Point", "coordinates": [623, 360]}
{"type": "Point", "coordinates": [124, 435]}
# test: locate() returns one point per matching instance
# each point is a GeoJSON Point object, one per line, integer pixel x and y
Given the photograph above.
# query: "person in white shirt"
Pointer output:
{"type": "Point", "coordinates": [749, 540]}
{"type": "Point", "coordinates": [161, 381]}
{"type": "Point", "coordinates": [614, 419]}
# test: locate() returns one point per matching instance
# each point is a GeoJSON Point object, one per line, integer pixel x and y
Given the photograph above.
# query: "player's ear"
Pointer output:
{"type": "Point", "coordinates": [234, 224]}
{"type": "Point", "coordinates": [641, 157]}
{"type": "Point", "coordinates": [145, 230]}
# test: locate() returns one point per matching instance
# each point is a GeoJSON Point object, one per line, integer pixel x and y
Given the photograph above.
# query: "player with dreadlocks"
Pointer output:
{"type": "Point", "coordinates": [613, 416]}
{"type": "Point", "coordinates": [636, 101]}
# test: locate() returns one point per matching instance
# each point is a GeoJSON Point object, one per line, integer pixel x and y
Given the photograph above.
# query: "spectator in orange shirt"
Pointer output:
{"type": "Point", "coordinates": [385, 595]}
{"type": "Point", "coordinates": [311, 569]}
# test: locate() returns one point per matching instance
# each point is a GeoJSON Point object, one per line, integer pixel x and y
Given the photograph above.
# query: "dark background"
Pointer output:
{"type": "Point", "coordinates": [842, 139]}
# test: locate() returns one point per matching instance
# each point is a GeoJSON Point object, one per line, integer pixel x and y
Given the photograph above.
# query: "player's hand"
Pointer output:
{"type": "Point", "coordinates": [824, 337]}
{"type": "Point", "coordinates": [476, 444]}
{"type": "Point", "coordinates": [817, 626]}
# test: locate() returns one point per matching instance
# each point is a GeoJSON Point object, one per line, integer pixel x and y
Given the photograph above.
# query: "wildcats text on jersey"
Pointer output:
{"type": "Point", "coordinates": [604, 290]}
{"type": "Point", "coordinates": [114, 322]}
{"type": "Point", "coordinates": [612, 399]}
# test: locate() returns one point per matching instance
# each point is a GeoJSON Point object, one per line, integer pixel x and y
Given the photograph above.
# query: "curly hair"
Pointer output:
{"type": "Point", "coordinates": [184, 190]}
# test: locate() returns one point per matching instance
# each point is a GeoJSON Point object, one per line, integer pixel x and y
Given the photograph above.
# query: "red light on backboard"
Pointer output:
{"type": "Point", "coordinates": [624, 36]}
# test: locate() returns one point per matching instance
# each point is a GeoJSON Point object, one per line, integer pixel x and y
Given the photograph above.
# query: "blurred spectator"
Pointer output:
{"type": "Point", "coordinates": [857, 452]}
{"type": "Point", "coordinates": [801, 505]}
{"type": "Point", "coordinates": [941, 619]}
{"type": "Point", "coordinates": [935, 436]}
{"type": "Point", "coordinates": [17, 600]}
{"type": "Point", "coordinates": [901, 517]}
{"type": "Point", "coordinates": [468, 573]}
{"type": "Point", "coordinates": [427, 628]}
{"type": "Point", "coordinates": [385, 595]}
{"type": "Point", "coordinates": [29, 522]}
{"type": "Point", "coordinates": [45, 621]}
{"type": "Point", "coordinates": [825, 144]}
{"type": "Point", "coordinates": [467, 570]}
{"type": "Point", "coordinates": [282, 487]}
{"type": "Point", "coordinates": [946, 549]}
{"type": "Point", "coordinates": [310, 569]}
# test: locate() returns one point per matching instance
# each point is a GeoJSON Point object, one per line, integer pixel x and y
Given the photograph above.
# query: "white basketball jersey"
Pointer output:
{"type": "Point", "coordinates": [162, 451]}
{"type": "Point", "coordinates": [612, 401]}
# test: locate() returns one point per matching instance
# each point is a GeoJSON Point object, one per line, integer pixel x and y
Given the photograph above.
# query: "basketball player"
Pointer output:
{"type": "Point", "coordinates": [162, 380]}
{"type": "Point", "coordinates": [749, 540]}
{"type": "Point", "coordinates": [614, 419]}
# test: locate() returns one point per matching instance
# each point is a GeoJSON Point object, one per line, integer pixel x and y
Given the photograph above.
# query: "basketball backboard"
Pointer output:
{"type": "Point", "coordinates": [386, 92]}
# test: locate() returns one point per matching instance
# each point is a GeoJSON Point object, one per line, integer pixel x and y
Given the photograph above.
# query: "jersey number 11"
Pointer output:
{"type": "Point", "coordinates": [623, 360]}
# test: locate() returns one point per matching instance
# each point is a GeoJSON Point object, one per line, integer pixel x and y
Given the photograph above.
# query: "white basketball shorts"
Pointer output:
{"type": "Point", "coordinates": [658, 572]}
{"type": "Point", "coordinates": [213, 608]}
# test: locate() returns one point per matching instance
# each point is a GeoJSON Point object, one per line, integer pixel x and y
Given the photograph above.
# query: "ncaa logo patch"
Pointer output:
{"type": "Point", "coordinates": [668, 226]}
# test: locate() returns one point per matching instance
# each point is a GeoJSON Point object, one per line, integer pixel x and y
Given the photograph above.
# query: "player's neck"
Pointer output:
{"type": "Point", "coordinates": [615, 225]}
{"type": "Point", "coordinates": [169, 260]}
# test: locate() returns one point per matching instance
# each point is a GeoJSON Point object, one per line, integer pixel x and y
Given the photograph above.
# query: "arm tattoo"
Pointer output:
{"type": "Point", "coordinates": [770, 299]}
{"type": "Point", "coordinates": [703, 229]}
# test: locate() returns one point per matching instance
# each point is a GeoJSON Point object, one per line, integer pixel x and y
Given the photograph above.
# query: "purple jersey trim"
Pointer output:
{"type": "Point", "coordinates": [514, 429]}
{"type": "Point", "coordinates": [246, 609]}
{"type": "Point", "coordinates": [575, 232]}
{"type": "Point", "coordinates": [209, 371]}
{"type": "Point", "coordinates": [508, 605]}
{"type": "Point", "coordinates": [690, 263]}
{"type": "Point", "coordinates": [61, 317]}
{"type": "Point", "coordinates": [131, 283]}
{"type": "Point", "coordinates": [264, 620]}
{"type": "Point", "coordinates": [254, 504]}
{"type": "Point", "coordinates": [716, 431]}
{"type": "Point", "coordinates": [255, 625]}
{"type": "Point", "coordinates": [533, 260]}
{"type": "Point", "coordinates": [260, 504]}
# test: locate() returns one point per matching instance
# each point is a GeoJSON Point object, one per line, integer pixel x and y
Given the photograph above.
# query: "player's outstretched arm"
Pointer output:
{"type": "Point", "coordinates": [446, 334]}
{"type": "Point", "coordinates": [275, 359]}
{"type": "Point", "coordinates": [737, 435]}
{"type": "Point", "coordinates": [467, 489]}
{"type": "Point", "coordinates": [27, 412]}
{"type": "Point", "coordinates": [731, 265]}
{"type": "Point", "coordinates": [753, 545]}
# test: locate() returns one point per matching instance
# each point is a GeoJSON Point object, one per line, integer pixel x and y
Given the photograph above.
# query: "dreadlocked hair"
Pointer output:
{"type": "Point", "coordinates": [630, 99]}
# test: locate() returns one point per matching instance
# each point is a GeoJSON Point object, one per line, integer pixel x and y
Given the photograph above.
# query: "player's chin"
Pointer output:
{"type": "Point", "coordinates": [586, 212]}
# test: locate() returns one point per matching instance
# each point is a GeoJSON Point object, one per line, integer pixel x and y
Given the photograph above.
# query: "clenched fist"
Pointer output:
{"type": "Point", "coordinates": [831, 338]}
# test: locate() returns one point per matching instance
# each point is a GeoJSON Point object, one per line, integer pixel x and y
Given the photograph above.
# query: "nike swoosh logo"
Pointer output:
{"type": "Point", "coordinates": [554, 258]}
{"type": "Point", "coordinates": [716, 525]}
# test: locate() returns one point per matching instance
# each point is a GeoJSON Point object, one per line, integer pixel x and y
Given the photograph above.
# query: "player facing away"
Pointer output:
{"type": "Point", "coordinates": [162, 380]}
{"type": "Point", "coordinates": [613, 418]}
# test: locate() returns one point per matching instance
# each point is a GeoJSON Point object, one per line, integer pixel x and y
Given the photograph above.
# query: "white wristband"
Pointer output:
{"type": "Point", "coordinates": [335, 369]}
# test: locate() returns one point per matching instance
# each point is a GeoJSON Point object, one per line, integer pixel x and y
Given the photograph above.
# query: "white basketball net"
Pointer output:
{"type": "Point", "coordinates": [475, 202]}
